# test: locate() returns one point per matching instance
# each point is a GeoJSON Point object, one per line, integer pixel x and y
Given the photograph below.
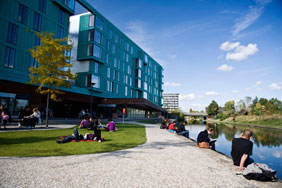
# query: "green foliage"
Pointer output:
{"type": "Point", "coordinates": [53, 67]}
{"type": "Point", "coordinates": [212, 108]}
{"type": "Point", "coordinates": [43, 143]}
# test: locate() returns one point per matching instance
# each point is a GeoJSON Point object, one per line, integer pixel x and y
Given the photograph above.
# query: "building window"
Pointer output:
{"type": "Point", "coordinates": [117, 88]}
{"type": "Point", "coordinates": [114, 49]}
{"type": "Point", "coordinates": [60, 32]}
{"type": "Point", "coordinates": [145, 95]}
{"type": "Point", "coordinates": [90, 50]}
{"type": "Point", "coordinates": [99, 23]}
{"type": "Point", "coordinates": [92, 80]}
{"type": "Point", "coordinates": [97, 51]}
{"type": "Point", "coordinates": [22, 18]}
{"type": "Point", "coordinates": [115, 62]}
{"type": "Point", "coordinates": [109, 86]}
{"type": "Point", "coordinates": [110, 34]}
{"type": "Point", "coordinates": [127, 47]}
{"type": "Point", "coordinates": [118, 76]}
{"type": "Point", "coordinates": [146, 58]}
{"type": "Point", "coordinates": [10, 57]}
{"type": "Point", "coordinates": [91, 20]}
{"type": "Point", "coordinates": [127, 57]}
{"type": "Point", "coordinates": [107, 58]}
{"type": "Point", "coordinates": [37, 21]}
{"type": "Point", "coordinates": [125, 91]}
{"type": "Point", "coordinates": [33, 62]}
{"type": "Point", "coordinates": [61, 17]}
{"type": "Point", "coordinates": [69, 3]}
{"type": "Point", "coordinates": [96, 67]}
{"type": "Point", "coordinates": [12, 33]}
{"type": "Point", "coordinates": [108, 72]}
{"type": "Point", "coordinates": [42, 5]}
{"type": "Point", "coordinates": [108, 45]}
{"type": "Point", "coordinates": [137, 83]}
{"type": "Point", "coordinates": [116, 38]}
{"type": "Point", "coordinates": [130, 81]}
{"type": "Point", "coordinates": [98, 37]}
{"type": "Point", "coordinates": [91, 35]}
{"type": "Point", "coordinates": [131, 50]}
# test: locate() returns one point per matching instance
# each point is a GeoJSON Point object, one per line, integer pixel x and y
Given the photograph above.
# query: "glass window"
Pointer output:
{"type": "Point", "coordinates": [118, 64]}
{"type": "Point", "coordinates": [125, 91]}
{"type": "Point", "coordinates": [126, 79]}
{"type": "Point", "coordinates": [98, 37]}
{"type": "Point", "coordinates": [96, 67]}
{"type": "Point", "coordinates": [110, 34]}
{"type": "Point", "coordinates": [10, 57]}
{"type": "Point", "coordinates": [115, 62]}
{"type": "Point", "coordinates": [146, 58]}
{"type": "Point", "coordinates": [139, 73]}
{"type": "Point", "coordinates": [90, 50]}
{"type": "Point", "coordinates": [60, 32]}
{"type": "Point", "coordinates": [114, 74]}
{"type": "Point", "coordinates": [114, 49]}
{"type": "Point", "coordinates": [37, 21]}
{"type": "Point", "coordinates": [145, 95]}
{"type": "Point", "coordinates": [107, 58]}
{"type": "Point", "coordinates": [116, 88]}
{"type": "Point", "coordinates": [99, 23]}
{"type": "Point", "coordinates": [127, 47]}
{"type": "Point", "coordinates": [130, 81]}
{"type": "Point", "coordinates": [145, 86]}
{"type": "Point", "coordinates": [12, 33]}
{"type": "Point", "coordinates": [91, 20]}
{"type": "Point", "coordinates": [97, 51]}
{"type": "Point", "coordinates": [131, 50]}
{"type": "Point", "coordinates": [118, 76]}
{"type": "Point", "coordinates": [108, 45]}
{"type": "Point", "coordinates": [22, 18]}
{"type": "Point", "coordinates": [96, 80]}
{"type": "Point", "coordinates": [116, 38]}
{"type": "Point", "coordinates": [69, 3]}
{"type": "Point", "coordinates": [91, 35]}
{"type": "Point", "coordinates": [127, 57]}
{"type": "Point", "coordinates": [139, 83]}
{"type": "Point", "coordinates": [61, 17]}
{"type": "Point", "coordinates": [33, 62]}
{"type": "Point", "coordinates": [42, 5]}
{"type": "Point", "coordinates": [109, 86]}
{"type": "Point", "coordinates": [108, 72]}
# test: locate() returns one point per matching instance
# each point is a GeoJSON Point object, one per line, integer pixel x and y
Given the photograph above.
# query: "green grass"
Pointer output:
{"type": "Point", "coordinates": [43, 143]}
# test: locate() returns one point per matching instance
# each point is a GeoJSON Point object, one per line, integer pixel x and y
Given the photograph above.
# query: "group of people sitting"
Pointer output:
{"type": "Point", "coordinates": [241, 147]}
{"type": "Point", "coordinates": [175, 128]}
{"type": "Point", "coordinates": [29, 119]}
{"type": "Point", "coordinates": [89, 123]}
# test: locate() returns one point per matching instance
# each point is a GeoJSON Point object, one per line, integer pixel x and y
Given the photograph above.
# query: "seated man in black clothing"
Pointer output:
{"type": "Point", "coordinates": [204, 136]}
{"type": "Point", "coordinates": [180, 130]}
{"type": "Point", "coordinates": [94, 127]}
{"type": "Point", "coordinates": [242, 149]}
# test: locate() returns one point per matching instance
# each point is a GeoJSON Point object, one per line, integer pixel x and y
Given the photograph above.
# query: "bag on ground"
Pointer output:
{"type": "Point", "coordinates": [204, 145]}
{"type": "Point", "coordinates": [259, 172]}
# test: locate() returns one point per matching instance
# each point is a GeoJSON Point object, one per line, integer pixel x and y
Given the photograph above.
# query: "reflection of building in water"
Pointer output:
{"type": "Point", "coordinates": [170, 101]}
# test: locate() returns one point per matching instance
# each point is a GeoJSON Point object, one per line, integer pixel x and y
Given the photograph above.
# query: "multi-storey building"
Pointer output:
{"type": "Point", "coordinates": [170, 101]}
{"type": "Point", "coordinates": [110, 66]}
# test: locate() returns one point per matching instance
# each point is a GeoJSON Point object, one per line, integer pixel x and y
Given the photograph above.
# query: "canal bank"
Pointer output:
{"type": "Point", "coordinates": [165, 160]}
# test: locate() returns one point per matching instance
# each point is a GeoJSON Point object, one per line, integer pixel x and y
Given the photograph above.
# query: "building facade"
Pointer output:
{"type": "Point", "coordinates": [170, 101]}
{"type": "Point", "coordinates": [111, 68]}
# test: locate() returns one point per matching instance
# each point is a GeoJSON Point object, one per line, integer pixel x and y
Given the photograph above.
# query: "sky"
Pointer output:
{"type": "Point", "coordinates": [218, 50]}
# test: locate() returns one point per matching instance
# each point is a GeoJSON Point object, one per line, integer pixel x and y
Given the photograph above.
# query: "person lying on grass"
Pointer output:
{"type": "Point", "coordinates": [78, 137]}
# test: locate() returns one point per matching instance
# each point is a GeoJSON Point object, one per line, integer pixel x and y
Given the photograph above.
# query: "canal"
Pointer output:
{"type": "Point", "coordinates": [267, 146]}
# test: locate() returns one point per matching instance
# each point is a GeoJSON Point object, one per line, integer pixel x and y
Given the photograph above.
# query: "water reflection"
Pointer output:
{"type": "Point", "coordinates": [267, 142]}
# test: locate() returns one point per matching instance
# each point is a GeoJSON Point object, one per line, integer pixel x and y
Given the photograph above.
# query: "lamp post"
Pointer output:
{"type": "Point", "coordinates": [91, 100]}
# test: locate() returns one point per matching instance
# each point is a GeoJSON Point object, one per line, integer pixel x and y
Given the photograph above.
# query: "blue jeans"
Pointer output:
{"type": "Point", "coordinates": [184, 133]}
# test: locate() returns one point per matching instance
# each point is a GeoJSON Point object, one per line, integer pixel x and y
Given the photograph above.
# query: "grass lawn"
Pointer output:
{"type": "Point", "coordinates": [43, 143]}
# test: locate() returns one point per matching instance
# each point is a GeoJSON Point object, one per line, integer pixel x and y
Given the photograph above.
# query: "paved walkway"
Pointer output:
{"type": "Point", "coordinates": [165, 160]}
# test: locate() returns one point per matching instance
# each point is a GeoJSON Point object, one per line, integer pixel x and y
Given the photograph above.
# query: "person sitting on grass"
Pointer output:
{"type": "Point", "coordinates": [205, 138]}
{"type": "Point", "coordinates": [84, 124]}
{"type": "Point", "coordinates": [111, 126]}
{"type": "Point", "coordinates": [171, 127]}
{"type": "Point", "coordinates": [75, 136]}
{"type": "Point", "coordinates": [94, 126]}
{"type": "Point", "coordinates": [180, 130]}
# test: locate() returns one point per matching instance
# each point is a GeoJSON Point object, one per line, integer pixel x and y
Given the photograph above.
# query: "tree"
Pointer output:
{"type": "Point", "coordinates": [212, 108]}
{"type": "Point", "coordinates": [229, 107]}
{"type": "Point", "coordinates": [53, 69]}
{"type": "Point", "coordinates": [263, 101]}
{"type": "Point", "coordinates": [254, 102]}
{"type": "Point", "coordinates": [274, 105]}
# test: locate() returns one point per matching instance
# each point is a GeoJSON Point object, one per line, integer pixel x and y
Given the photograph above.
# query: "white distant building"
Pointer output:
{"type": "Point", "coordinates": [170, 101]}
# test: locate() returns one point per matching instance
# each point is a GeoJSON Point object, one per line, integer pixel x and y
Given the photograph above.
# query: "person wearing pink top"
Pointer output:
{"type": "Point", "coordinates": [111, 126]}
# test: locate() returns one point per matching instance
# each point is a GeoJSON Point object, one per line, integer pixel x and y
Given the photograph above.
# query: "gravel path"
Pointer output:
{"type": "Point", "coordinates": [165, 160]}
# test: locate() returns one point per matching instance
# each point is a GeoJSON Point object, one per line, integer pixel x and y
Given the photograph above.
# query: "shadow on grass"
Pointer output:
{"type": "Point", "coordinates": [26, 140]}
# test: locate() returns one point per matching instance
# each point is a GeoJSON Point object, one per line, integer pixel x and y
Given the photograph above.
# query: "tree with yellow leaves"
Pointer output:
{"type": "Point", "coordinates": [53, 69]}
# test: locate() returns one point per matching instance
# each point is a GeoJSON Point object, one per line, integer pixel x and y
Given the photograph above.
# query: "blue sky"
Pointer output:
{"type": "Point", "coordinates": [210, 49]}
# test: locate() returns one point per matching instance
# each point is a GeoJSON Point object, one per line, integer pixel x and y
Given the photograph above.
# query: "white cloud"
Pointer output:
{"type": "Point", "coordinates": [276, 86]}
{"type": "Point", "coordinates": [238, 52]}
{"type": "Point", "coordinates": [190, 96]}
{"type": "Point", "coordinates": [171, 56]}
{"type": "Point", "coordinates": [220, 56]}
{"type": "Point", "coordinates": [242, 52]}
{"type": "Point", "coordinates": [253, 14]}
{"type": "Point", "coordinates": [172, 84]}
{"type": "Point", "coordinates": [258, 83]}
{"type": "Point", "coordinates": [211, 93]}
{"type": "Point", "coordinates": [235, 91]}
{"type": "Point", "coordinates": [227, 46]}
{"type": "Point", "coordinates": [225, 67]}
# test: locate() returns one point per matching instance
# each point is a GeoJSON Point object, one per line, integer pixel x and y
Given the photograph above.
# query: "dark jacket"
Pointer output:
{"type": "Point", "coordinates": [203, 137]}
{"type": "Point", "coordinates": [180, 128]}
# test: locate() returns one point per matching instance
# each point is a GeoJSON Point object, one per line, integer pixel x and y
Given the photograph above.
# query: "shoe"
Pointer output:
{"type": "Point", "coordinates": [29, 127]}
{"type": "Point", "coordinates": [99, 141]}
{"type": "Point", "coordinates": [59, 142]}
{"type": "Point", "coordinates": [95, 138]}
{"type": "Point", "coordinates": [19, 125]}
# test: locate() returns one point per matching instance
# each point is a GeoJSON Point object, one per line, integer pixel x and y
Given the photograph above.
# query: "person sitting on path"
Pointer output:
{"type": "Point", "coordinates": [204, 137]}
{"type": "Point", "coordinates": [23, 117]}
{"type": "Point", "coordinates": [33, 119]}
{"type": "Point", "coordinates": [242, 149]}
{"type": "Point", "coordinates": [171, 127]}
{"type": "Point", "coordinates": [180, 130]}
{"type": "Point", "coordinates": [111, 126]}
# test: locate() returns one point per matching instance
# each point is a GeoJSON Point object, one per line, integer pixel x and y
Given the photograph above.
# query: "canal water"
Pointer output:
{"type": "Point", "coordinates": [267, 146]}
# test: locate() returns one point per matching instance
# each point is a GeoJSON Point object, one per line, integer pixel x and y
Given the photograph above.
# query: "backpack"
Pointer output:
{"type": "Point", "coordinates": [259, 172]}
